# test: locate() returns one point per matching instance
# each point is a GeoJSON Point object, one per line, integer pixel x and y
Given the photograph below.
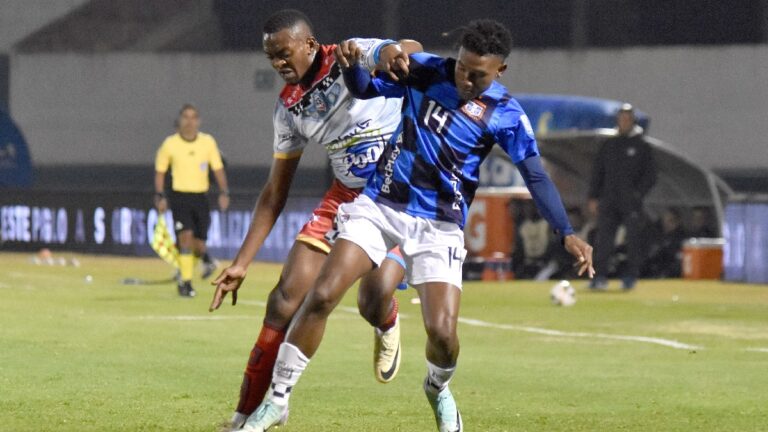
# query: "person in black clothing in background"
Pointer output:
{"type": "Point", "coordinates": [623, 173]}
{"type": "Point", "coordinates": [701, 223]}
{"type": "Point", "coordinates": [534, 246]}
{"type": "Point", "coordinates": [665, 255]}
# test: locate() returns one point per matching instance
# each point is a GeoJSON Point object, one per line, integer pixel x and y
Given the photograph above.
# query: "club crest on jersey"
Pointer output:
{"type": "Point", "coordinates": [474, 109]}
{"type": "Point", "coordinates": [317, 101]}
{"type": "Point", "coordinates": [320, 102]}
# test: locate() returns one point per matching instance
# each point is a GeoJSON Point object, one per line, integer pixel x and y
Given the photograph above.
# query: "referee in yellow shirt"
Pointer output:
{"type": "Point", "coordinates": [189, 154]}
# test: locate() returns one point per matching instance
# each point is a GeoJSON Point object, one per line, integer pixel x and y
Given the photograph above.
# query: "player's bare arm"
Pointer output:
{"type": "Point", "coordinates": [268, 207]}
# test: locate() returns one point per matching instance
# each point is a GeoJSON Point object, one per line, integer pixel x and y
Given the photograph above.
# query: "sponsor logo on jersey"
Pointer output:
{"type": "Point", "coordinates": [389, 167]}
{"type": "Point", "coordinates": [458, 198]}
{"type": "Point", "coordinates": [356, 135]}
{"type": "Point", "coordinates": [359, 160]}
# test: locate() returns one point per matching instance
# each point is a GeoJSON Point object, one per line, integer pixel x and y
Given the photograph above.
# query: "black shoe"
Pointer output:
{"type": "Point", "coordinates": [186, 290]}
{"type": "Point", "coordinates": [598, 284]}
{"type": "Point", "coordinates": [208, 268]}
{"type": "Point", "coordinates": [628, 283]}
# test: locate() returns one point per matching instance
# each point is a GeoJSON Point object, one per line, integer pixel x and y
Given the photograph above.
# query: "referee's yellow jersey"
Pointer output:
{"type": "Point", "coordinates": [189, 161]}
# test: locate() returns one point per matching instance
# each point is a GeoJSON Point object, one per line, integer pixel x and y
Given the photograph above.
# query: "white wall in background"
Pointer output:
{"type": "Point", "coordinates": [19, 18]}
{"type": "Point", "coordinates": [118, 108]}
{"type": "Point", "coordinates": [710, 103]}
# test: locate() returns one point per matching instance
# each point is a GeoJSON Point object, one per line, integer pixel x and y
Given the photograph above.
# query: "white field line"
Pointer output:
{"type": "Point", "coordinates": [346, 309]}
{"type": "Point", "coordinates": [194, 317]}
{"type": "Point", "coordinates": [760, 350]}
{"type": "Point", "coordinates": [549, 332]}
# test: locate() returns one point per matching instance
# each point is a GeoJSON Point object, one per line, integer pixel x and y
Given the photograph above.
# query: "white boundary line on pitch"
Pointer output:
{"type": "Point", "coordinates": [759, 350]}
{"type": "Point", "coordinates": [549, 332]}
{"type": "Point", "coordinates": [194, 317]}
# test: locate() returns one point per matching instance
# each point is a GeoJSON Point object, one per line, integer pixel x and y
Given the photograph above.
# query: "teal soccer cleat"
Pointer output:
{"type": "Point", "coordinates": [447, 414]}
{"type": "Point", "coordinates": [266, 416]}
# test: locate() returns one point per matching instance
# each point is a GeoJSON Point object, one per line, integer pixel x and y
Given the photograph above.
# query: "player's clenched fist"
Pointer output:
{"type": "Point", "coordinates": [393, 61]}
{"type": "Point", "coordinates": [228, 281]}
{"type": "Point", "coordinates": [347, 53]}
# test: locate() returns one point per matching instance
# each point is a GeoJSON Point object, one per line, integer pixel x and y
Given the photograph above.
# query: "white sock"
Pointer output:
{"type": "Point", "coordinates": [437, 377]}
{"type": "Point", "coordinates": [288, 368]}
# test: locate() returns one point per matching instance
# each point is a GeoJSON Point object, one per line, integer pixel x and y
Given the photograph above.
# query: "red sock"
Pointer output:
{"type": "Point", "coordinates": [258, 372]}
{"type": "Point", "coordinates": [392, 317]}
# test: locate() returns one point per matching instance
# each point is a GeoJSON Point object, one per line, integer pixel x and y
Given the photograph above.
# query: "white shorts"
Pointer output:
{"type": "Point", "coordinates": [433, 250]}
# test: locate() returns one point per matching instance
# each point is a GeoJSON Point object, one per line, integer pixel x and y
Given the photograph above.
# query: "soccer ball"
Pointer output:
{"type": "Point", "coordinates": [563, 294]}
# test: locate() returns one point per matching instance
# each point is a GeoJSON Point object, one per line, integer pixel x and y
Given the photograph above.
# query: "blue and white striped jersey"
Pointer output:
{"type": "Point", "coordinates": [431, 168]}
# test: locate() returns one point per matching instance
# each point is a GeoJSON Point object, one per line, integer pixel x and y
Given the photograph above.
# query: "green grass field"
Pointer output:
{"type": "Point", "coordinates": [101, 356]}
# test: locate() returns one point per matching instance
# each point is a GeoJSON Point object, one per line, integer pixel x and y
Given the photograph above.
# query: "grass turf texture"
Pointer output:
{"type": "Point", "coordinates": [79, 356]}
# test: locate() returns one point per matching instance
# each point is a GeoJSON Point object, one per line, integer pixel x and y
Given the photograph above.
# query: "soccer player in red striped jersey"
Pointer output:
{"type": "Point", "coordinates": [316, 108]}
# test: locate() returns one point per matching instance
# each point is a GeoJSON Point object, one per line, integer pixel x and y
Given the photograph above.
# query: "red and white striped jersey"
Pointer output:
{"type": "Point", "coordinates": [353, 131]}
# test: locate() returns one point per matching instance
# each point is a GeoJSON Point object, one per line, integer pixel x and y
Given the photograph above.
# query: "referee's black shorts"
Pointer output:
{"type": "Point", "coordinates": [191, 211]}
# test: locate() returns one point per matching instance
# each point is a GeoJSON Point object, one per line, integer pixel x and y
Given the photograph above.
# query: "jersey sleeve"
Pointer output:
{"type": "Point", "coordinates": [215, 158]}
{"type": "Point", "coordinates": [363, 86]}
{"type": "Point", "coordinates": [288, 144]}
{"type": "Point", "coordinates": [163, 158]}
{"type": "Point", "coordinates": [384, 86]}
{"type": "Point", "coordinates": [515, 135]}
{"type": "Point", "coordinates": [424, 69]}
{"type": "Point", "coordinates": [371, 49]}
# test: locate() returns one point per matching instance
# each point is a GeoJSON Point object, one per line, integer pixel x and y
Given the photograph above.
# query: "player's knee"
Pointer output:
{"type": "Point", "coordinates": [321, 301]}
{"type": "Point", "coordinates": [186, 240]}
{"type": "Point", "coordinates": [442, 335]}
{"type": "Point", "coordinates": [281, 306]}
{"type": "Point", "coordinates": [369, 308]}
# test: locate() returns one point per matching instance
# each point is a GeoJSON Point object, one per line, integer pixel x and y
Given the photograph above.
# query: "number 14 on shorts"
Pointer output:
{"type": "Point", "coordinates": [455, 256]}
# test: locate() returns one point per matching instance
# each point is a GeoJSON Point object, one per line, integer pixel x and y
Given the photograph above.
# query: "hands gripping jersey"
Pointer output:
{"type": "Point", "coordinates": [353, 132]}
{"type": "Point", "coordinates": [431, 169]}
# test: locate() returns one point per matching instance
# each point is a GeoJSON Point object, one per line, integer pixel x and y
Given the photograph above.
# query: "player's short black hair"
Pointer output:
{"type": "Point", "coordinates": [486, 36]}
{"type": "Point", "coordinates": [284, 19]}
{"type": "Point", "coordinates": [188, 106]}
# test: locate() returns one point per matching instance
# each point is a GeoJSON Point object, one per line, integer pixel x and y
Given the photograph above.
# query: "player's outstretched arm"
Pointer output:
{"type": "Point", "coordinates": [362, 86]}
{"type": "Point", "coordinates": [268, 207]}
{"type": "Point", "coordinates": [548, 201]}
{"type": "Point", "coordinates": [380, 55]}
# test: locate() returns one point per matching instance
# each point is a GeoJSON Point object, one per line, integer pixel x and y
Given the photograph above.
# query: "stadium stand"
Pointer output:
{"type": "Point", "coordinates": [129, 25]}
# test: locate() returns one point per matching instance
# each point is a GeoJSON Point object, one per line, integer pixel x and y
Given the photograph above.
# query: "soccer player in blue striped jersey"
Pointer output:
{"type": "Point", "coordinates": [454, 112]}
